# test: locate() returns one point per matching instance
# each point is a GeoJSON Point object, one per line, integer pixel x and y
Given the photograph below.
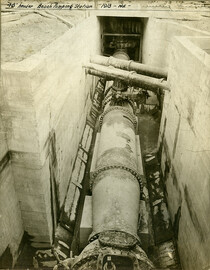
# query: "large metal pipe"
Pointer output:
{"type": "Point", "coordinates": [130, 66]}
{"type": "Point", "coordinates": [116, 190]}
{"type": "Point", "coordinates": [131, 78]}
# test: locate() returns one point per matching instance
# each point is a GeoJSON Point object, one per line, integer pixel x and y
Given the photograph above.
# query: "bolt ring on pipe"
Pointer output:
{"type": "Point", "coordinates": [105, 168]}
{"type": "Point", "coordinates": [129, 64]}
{"type": "Point", "coordinates": [132, 117]}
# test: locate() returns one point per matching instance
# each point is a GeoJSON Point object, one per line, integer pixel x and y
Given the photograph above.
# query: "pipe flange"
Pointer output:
{"type": "Point", "coordinates": [93, 236]}
{"type": "Point", "coordinates": [130, 74]}
{"type": "Point", "coordinates": [113, 108]}
{"type": "Point", "coordinates": [117, 166]}
{"type": "Point", "coordinates": [129, 64]}
{"type": "Point", "coordinates": [118, 239]}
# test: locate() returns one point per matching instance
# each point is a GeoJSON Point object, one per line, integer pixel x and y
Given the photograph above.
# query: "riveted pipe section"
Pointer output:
{"type": "Point", "coordinates": [115, 188]}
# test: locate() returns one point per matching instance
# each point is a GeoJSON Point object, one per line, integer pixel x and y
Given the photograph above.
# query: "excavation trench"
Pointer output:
{"type": "Point", "coordinates": [54, 91]}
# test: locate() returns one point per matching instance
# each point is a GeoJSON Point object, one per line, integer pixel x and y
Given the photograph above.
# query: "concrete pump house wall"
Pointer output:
{"type": "Point", "coordinates": [44, 105]}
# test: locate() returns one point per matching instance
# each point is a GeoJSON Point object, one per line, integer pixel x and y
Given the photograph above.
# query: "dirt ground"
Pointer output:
{"type": "Point", "coordinates": [18, 42]}
{"type": "Point", "coordinates": [197, 20]}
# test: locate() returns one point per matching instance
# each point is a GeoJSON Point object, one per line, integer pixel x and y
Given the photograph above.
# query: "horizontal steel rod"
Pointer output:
{"type": "Point", "coordinates": [130, 66]}
{"type": "Point", "coordinates": [131, 78]}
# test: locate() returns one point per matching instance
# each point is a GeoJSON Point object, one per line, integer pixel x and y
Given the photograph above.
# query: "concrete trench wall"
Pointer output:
{"type": "Point", "coordinates": [184, 132]}
{"type": "Point", "coordinates": [184, 145]}
{"type": "Point", "coordinates": [46, 99]}
{"type": "Point", "coordinates": [157, 39]}
{"type": "Point", "coordinates": [11, 226]}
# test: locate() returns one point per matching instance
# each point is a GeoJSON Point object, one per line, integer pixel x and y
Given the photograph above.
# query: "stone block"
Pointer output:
{"type": "Point", "coordinates": [86, 222]}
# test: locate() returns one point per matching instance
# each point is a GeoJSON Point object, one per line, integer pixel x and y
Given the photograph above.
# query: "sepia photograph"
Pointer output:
{"type": "Point", "coordinates": [105, 135]}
